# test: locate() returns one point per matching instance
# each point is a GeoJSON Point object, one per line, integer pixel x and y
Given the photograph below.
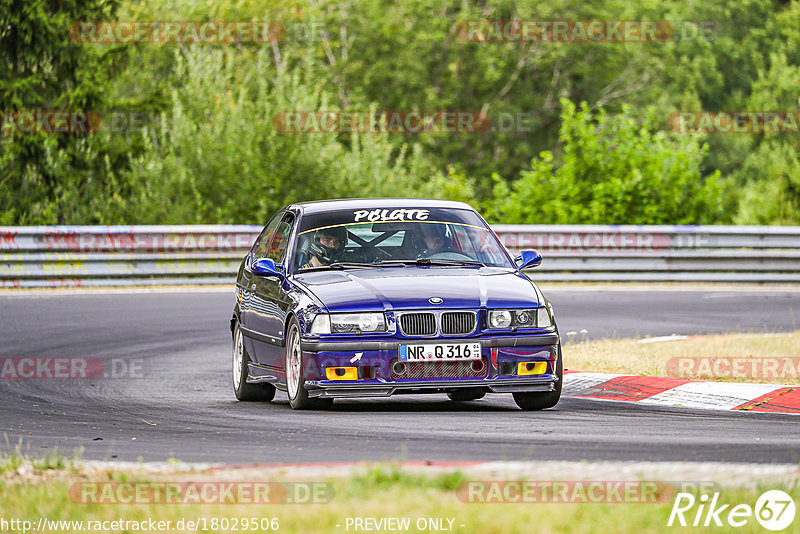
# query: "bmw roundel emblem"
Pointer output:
{"type": "Point", "coordinates": [435, 300]}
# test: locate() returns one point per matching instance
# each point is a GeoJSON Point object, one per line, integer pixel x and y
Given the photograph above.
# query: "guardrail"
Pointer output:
{"type": "Point", "coordinates": [66, 256]}
{"type": "Point", "coordinates": [660, 253]}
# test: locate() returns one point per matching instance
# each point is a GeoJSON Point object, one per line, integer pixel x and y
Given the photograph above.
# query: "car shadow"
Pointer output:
{"type": "Point", "coordinates": [417, 404]}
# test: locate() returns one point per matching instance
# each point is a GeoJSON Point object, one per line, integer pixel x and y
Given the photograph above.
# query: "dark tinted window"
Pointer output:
{"type": "Point", "coordinates": [409, 214]}
{"type": "Point", "coordinates": [280, 240]}
{"type": "Point", "coordinates": [400, 235]}
{"type": "Point", "coordinates": [261, 246]}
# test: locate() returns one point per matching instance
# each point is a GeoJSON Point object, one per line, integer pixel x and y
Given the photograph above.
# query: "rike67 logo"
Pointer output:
{"type": "Point", "coordinates": [774, 510]}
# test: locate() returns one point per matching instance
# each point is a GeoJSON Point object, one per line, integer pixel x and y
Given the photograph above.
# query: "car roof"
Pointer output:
{"type": "Point", "coordinates": [323, 206]}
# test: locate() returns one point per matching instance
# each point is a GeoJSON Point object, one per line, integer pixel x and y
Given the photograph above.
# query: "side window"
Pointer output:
{"type": "Point", "coordinates": [261, 246]}
{"type": "Point", "coordinates": [280, 241]}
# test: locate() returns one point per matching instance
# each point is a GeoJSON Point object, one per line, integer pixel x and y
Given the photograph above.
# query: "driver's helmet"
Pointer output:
{"type": "Point", "coordinates": [328, 243]}
{"type": "Point", "coordinates": [434, 237]}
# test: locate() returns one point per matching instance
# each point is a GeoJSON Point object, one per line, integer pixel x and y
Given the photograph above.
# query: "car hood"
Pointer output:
{"type": "Point", "coordinates": [411, 287]}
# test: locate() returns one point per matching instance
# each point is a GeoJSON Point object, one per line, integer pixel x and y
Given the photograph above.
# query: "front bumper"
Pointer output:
{"type": "Point", "coordinates": [375, 358]}
{"type": "Point", "coordinates": [387, 389]}
{"type": "Point", "coordinates": [507, 341]}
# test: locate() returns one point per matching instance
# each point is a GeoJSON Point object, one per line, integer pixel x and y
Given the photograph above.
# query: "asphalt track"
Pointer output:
{"type": "Point", "coordinates": [182, 405]}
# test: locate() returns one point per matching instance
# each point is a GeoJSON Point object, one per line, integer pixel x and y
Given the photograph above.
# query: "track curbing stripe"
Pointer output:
{"type": "Point", "coordinates": [772, 398]}
{"type": "Point", "coordinates": [633, 388]}
{"type": "Point", "coordinates": [783, 400]}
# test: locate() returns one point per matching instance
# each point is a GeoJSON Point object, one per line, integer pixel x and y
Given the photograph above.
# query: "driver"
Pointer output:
{"type": "Point", "coordinates": [434, 238]}
{"type": "Point", "coordinates": [326, 247]}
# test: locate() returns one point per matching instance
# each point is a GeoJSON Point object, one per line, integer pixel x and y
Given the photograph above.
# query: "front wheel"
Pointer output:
{"type": "Point", "coordinates": [295, 374]}
{"type": "Point", "coordinates": [540, 401]}
{"type": "Point", "coordinates": [243, 390]}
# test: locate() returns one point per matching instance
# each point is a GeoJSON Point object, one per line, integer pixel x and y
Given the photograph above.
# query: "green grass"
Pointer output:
{"type": "Point", "coordinates": [11, 462]}
{"type": "Point", "coordinates": [383, 478]}
{"type": "Point", "coordinates": [377, 492]}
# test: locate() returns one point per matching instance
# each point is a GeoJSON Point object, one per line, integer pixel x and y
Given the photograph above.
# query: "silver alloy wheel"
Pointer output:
{"type": "Point", "coordinates": [238, 357]}
{"type": "Point", "coordinates": [293, 359]}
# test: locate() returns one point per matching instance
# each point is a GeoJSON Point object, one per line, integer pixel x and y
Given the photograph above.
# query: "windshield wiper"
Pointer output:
{"type": "Point", "coordinates": [344, 265]}
{"type": "Point", "coordinates": [348, 264]}
{"type": "Point", "coordinates": [429, 261]}
{"type": "Point", "coordinates": [421, 262]}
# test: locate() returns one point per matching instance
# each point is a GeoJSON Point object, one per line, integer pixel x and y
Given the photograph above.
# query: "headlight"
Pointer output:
{"type": "Point", "coordinates": [525, 318]}
{"type": "Point", "coordinates": [520, 318]}
{"type": "Point", "coordinates": [499, 319]}
{"type": "Point", "coordinates": [348, 323]}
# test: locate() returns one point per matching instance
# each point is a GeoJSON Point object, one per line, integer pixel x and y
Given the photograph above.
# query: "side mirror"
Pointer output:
{"type": "Point", "coordinates": [528, 259]}
{"type": "Point", "coordinates": [267, 267]}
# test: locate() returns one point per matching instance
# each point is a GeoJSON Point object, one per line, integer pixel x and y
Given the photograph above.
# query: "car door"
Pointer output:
{"type": "Point", "coordinates": [247, 282]}
{"type": "Point", "coordinates": [269, 304]}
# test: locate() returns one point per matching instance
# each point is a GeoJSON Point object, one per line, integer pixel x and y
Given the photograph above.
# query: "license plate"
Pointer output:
{"type": "Point", "coordinates": [440, 352]}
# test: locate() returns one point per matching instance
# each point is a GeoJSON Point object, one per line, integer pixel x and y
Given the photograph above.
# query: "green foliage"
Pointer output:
{"type": "Point", "coordinates": [217, 156]}
{"type": "Point", "coordinates": [771, 192]}
{"type": "Point", "coordinates": [774, 197]}
{"type": "Point", "coordinates": [208, 151]}
{"type": "Point", "coordinates": [612, 171]}
{"type": "Point", "coordinates": [41, 69]}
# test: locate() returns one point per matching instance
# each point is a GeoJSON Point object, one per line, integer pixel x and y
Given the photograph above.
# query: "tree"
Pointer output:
{"type": "Point", "coordinates": [41, 69]}
{"type": "Point", "coordinates": [612, 171]}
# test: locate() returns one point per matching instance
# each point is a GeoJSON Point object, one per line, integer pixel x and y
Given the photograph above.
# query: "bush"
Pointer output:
{"type": "Point", "coordinates": [217, 158]}
{"type": "Point", "coordinates": [612, 171]}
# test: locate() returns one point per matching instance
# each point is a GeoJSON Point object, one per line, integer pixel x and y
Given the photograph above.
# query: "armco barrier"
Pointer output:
{"type": "Point", "coordinates": [660, 253]}
{"type": "Point", "coordinates": [67, 256]}
{"type": "Point", "coordinates": [56, 256]}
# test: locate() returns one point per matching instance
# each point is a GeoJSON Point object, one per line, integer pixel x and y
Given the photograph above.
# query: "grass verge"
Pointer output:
{"type": "Point", "coordinates": [19, 461]}
{"type": "Point", "coordinates": [381, 492]}
{"type": "Point", "coordinates": [756, 358]}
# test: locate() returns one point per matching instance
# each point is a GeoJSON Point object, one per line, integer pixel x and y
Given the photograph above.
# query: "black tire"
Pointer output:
{"type": "Point", "coordinates": [243, 390]}
{"type": "Point", "coordinates": [541, 401]}
{"type": "Point", "coordinates": [295, 374]}
{"type": "Point", "coordinates": [466, 394]}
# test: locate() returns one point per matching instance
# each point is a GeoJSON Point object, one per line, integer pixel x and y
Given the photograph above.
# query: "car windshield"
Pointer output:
{"type": "Point", "coordinates": [424, 237]}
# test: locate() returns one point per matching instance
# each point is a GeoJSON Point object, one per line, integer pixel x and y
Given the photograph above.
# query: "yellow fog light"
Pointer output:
{"type": "Point", "coordinates": [531, 368]}
{"type": "Point", "coordinates": [342, 373]}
